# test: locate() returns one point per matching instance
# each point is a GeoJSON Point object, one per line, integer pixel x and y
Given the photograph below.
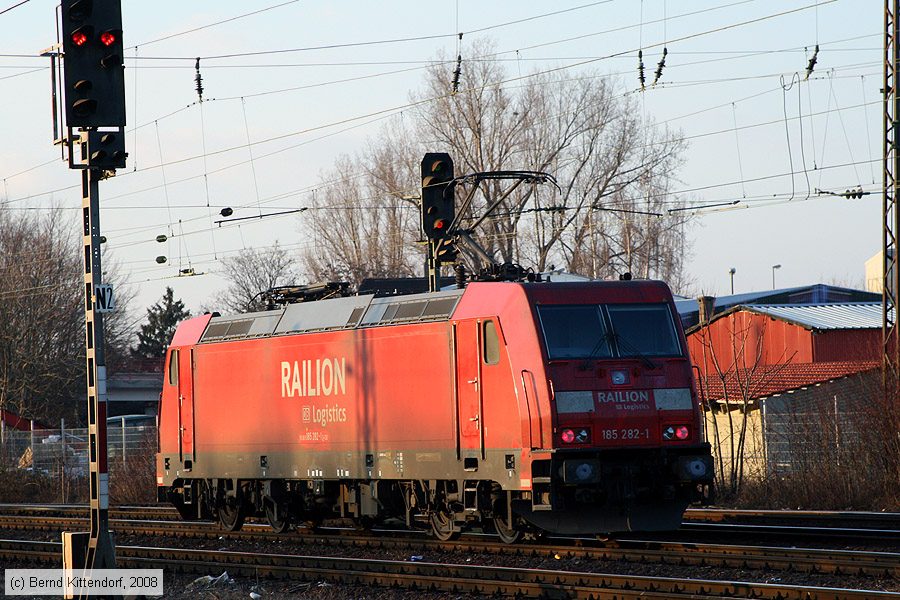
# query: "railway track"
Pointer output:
{"type": "Point", "coordinates": [488, 580]}
{"type": "Point", "coordinates": [807, 518]}
{"type": "Point", "coordinates": [805, 560]}
{"type": "Point", "coordinates": [801, 518]}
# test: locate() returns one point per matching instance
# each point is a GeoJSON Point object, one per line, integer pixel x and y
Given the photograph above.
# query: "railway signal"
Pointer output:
{"type": "Point", "coordinates": [438, 205]}
{"type": "Point", "coordinates": [446, 250]}
{"type": "Point", "coordinates": [94, 109]}
{"type": "Point", "coordinates": [93, 75]}
{"type": "Point", "coordinates": [438, 211]}
{"type": "Point", "coordinates": [106, 150]}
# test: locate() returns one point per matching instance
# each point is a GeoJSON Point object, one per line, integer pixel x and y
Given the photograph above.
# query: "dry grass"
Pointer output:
{"type": "Point", "coordinates": [134, 481]}
{"type": "Point", "coordinates": [860, 473]}
{"type": "Point", "coordinates": [21, 486]}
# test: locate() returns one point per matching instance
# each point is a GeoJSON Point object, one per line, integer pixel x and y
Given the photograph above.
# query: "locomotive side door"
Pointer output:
{"type": "Point", "coordinates": [186, 406]}
{"type": "Point", "coordinates": [469, 391]}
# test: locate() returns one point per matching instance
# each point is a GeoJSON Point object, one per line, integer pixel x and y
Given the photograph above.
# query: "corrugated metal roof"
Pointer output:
{"type": "Point", "coordinates": [688, 305]}
{"type": "Point", "coordinates": [851, 315]}
{"type": "Point", "coordinates": [818, 293]}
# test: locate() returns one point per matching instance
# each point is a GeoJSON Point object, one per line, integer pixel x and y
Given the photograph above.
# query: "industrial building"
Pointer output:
{"type": "Point", "coordinates": [774, 376]}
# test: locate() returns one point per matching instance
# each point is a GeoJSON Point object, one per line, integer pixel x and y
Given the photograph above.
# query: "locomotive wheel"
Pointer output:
{"type": "Point", "coordinates": [442, 526]}
{"type": "Point", "coordinates": [231, 514]}
{"type": "Point", "coordinates": [280, 524]}
{"type": "Point", "coordinates": [507, 532]}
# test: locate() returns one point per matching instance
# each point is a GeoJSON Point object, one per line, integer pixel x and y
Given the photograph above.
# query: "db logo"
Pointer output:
{"type": "Point", "coordinates": [307, 414]}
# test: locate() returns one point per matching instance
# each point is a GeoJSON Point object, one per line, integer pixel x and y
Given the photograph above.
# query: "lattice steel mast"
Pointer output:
{"type": "Point", "coordinates": [890, 215]}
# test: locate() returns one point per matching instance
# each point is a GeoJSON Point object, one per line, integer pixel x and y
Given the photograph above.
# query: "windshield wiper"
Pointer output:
{"type": "Point", "coordinates": [604, 340]}
{"type": "Point", "coordinates": [633, 351]}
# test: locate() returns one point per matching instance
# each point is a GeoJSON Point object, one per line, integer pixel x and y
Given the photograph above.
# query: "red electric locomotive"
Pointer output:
{"type": "Point", "coordinates": [559, 407]}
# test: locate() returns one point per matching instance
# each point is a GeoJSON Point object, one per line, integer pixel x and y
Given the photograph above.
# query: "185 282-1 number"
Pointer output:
{"type": "Point", "coordinates": [626, 434]}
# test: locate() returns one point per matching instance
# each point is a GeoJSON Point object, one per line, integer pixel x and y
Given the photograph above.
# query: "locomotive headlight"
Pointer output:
{"type": "Point", "coordinates": [668, 433]}
{"type": "Point", "coordinates": [567, 436]}
{"type": "Point", "coordinates": [618, 377]}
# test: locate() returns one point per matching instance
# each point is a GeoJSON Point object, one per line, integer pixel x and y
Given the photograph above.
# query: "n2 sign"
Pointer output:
{"type": "Point", "coordinates": [104, 301]}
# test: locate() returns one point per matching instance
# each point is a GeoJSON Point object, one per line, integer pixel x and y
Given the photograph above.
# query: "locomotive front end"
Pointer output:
{"type": "Point", "coordinates": [628, 441]}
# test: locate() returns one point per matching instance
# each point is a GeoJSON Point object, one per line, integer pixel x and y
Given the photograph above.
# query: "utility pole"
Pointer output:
{"type": "Point", "coordinates": [890, 215]}
{"type": "Point", "coordinates": [94, 103]}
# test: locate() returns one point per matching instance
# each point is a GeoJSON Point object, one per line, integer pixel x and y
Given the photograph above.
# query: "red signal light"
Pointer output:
{"type": "Point", "coordinates": [107, 38]}
{"type": "Point", "coordinates": [440, 224]}
{"type": "Point", "coordinates": [682, 432]}
{"type": "Point", "coordinates": [567, 436]}
{"type": "Point", "coordinates": [79, 38]}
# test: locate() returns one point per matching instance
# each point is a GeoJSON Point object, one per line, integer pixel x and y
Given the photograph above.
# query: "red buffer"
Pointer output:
{"type": "Point", "coordinates": [562, 407]}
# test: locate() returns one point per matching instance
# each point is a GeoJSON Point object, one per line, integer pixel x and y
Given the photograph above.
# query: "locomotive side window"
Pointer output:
{"type": "Point", "coordinates": [491, 342]}
{"type": "Point", "coordinates": [574, 332]}
{"type": "Point", "coordinates": [644, 330]}
{"type": "Point", "coordinates": [173, 367]}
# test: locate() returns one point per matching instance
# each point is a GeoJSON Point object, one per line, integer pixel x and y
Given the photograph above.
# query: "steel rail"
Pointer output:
{"type": "Point", "coordinates": [447, 577]}
{"type": "Point", "coordinates": [795, 531]}
{"type": "Point", "coordinates": [871, 519]}
{"type": "Point", "coordinates": [808, 560]}
{"type": "Point", "coordinates": [889, 520]}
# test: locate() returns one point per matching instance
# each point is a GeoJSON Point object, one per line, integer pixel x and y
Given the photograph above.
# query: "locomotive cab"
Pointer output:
{"type": "Point", "coordinates": [628, 449]}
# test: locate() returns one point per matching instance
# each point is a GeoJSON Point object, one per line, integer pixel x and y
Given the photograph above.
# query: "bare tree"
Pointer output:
{"type": "Point", "coordinates": [362, 227]}
{"type": "Point", "coordinates": [250, 273]}
{"type": "Point", "coordinates": [615, 170]}
{"type": "Point", "coordinates": [118, 325]}
{"type": "Point", "coordinates": [737, 373]}
{"type": "Point", "coordinates": [42, 364]}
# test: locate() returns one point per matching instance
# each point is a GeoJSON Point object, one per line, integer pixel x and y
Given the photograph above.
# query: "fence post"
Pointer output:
{"type": "Point", "coordinates": [765, 439]}
{"type": "Point", "coordinates": [837, 431]}
{"type": "Point", "coordinates": [62, 445]}
{"type": "Point", "coordinates": [31, 442]}
{"type": "Point", "coordinates": [124, 468]}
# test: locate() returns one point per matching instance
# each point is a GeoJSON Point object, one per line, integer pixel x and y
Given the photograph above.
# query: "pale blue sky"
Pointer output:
{"type": "Point", "coordinates": [724, 69]}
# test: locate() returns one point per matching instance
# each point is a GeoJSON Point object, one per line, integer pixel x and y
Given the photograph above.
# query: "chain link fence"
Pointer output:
{"type": "Point", "coordinates": [57, 460]}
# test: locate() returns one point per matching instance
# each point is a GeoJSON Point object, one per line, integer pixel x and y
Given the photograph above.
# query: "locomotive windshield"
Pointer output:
{"type": "Point", "coordinates": [605, 331]}
{"type": "Point", "coordinates": [575, 331]}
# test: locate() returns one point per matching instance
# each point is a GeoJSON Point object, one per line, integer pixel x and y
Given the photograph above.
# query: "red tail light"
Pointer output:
{"type": "Point", "coordinates": [582, 435]}
{"type": "Point", "coordinates": [676, 432]}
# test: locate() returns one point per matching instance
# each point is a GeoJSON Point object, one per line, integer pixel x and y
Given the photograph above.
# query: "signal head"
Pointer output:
{"type": "Point", "coordinates": [79, 38]}
{"type": "Point", "coordinates": [108, 38]}
{"type": "Point", "coordinates": [93, 73]}
{"type": "Point", "coordinates": [438, 206]}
